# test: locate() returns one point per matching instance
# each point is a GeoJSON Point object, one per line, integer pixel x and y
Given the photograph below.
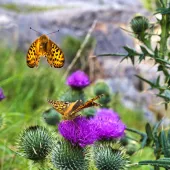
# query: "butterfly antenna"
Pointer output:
{"type": "Point", "coordinates": [35, 30]}
{"type": "Point", "coordinates": [53, 32]}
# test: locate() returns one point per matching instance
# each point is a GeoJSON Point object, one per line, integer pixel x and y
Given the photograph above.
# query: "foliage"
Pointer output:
{"type": "Point", "coordinates": [27, 90]}
{"type": "Point", "coordinates": [144, 31]}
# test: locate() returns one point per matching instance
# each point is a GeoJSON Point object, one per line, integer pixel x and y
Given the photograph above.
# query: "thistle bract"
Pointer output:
{"type": "Point", "coordinates": [66, 156]}
{"type": "Point", "coordinates": [51, 117]}
{"type": "Point", "coordinates": [108, 156]}
{"type": "Point", "coordinates": [139, 24]}
{"type": "Point", "coordinates": [35, 143]}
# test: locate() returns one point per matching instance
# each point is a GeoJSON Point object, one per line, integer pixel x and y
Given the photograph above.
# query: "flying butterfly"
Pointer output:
{"type": "Point", "coordinates": [43, 46]}
{"type": "Point", "coordinates": [69, 109]}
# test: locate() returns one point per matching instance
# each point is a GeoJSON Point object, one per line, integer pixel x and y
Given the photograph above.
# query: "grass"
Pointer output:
{"type": "Point", "coordinates": [26, 92]}
{"type": "Point", "coordinates": [29, 8]}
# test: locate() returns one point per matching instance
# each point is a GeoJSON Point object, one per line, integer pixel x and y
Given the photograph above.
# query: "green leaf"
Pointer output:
{"type": "Point", "coordinates": [163, 162]}
{"type": "Point", "coordinates": [131, 54]}
{"type": "Point", "coordinates": [145, 51]}
{"type": "Point", "coordinates": [158, 80]}
{"type": "Point", "coordinates": [147, 81]}
{"type": "Point", "coordinates": [165, 95]}
{"type": "Point", "coordinates": [149, 133]}
{"type": "Point", "coordinates": [156, 139]}
{"type": "Point", "coordinates": [162, 61]}
{"type": "Point", "coordinates": [156, 52]}
{"type": "Point", "coordinates": [168, 136]}
{"type": "Point", "coordinates": [165, 145]}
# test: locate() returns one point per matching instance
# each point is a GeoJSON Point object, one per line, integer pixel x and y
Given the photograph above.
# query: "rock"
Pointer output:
{"type": "Point", "coordinates": [75, 18]}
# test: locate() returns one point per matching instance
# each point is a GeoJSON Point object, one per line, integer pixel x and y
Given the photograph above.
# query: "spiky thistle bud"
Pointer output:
{"type": "Point", "coordinates": [67, 156]}
{"type": "Point", "coordinates": [51, 117]}
{"type": "Point", "coordinates": [71, 95]}
{"type": "Point", "coordinates": [110, 156]}
{"type": "Point", "coordinates": [139, 24]}
{"type": "Point", "coordinates": [35, 143]}
{"type": "Point", "coordinates": [89, 112]}
{"type": "Point", "coordinates": [103, 88]}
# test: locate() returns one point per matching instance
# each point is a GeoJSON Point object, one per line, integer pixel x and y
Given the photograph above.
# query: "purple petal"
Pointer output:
{"type": "Point", "coordinates": [78, 79]}
{"type": "Point", "coordinates": [2, 96]}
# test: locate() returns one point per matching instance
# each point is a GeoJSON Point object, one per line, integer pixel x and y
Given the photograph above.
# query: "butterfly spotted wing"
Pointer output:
{"type": "Point", "coordinates": [55, 56]}
{"type": "Point", "coordinates": [43, 46]}
{"type": "Point", "coordinates": [65, 108]}
{"type": "Point", "coordinates": [33, 56]}
{"type": "Point", "coordinates": [87, 104]}
{"type": "Point", "coordinates": [69, 110]}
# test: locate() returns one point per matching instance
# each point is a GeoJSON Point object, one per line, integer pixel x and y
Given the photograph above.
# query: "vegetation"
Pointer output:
{"type": "Point", "coordinates": [26, 140]}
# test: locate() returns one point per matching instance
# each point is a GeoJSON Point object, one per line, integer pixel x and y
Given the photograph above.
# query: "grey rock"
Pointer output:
{"type": "Point", "coordinates": [75, 19]}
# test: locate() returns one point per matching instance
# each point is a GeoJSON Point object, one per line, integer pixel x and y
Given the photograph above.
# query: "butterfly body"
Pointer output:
{"type": "Point", "coordinates": [69, 110]}
{"type": "Point", "coordinates": [43, 46]}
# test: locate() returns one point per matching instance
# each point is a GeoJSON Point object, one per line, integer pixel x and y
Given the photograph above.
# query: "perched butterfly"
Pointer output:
{"type": "Point", "coordinates": [69, 109]}
{"type": "Point", "coordinates": [43, 46]}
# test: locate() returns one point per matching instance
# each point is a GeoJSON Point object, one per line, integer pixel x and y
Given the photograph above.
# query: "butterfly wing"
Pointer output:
{"type": "Point", "coordinates": [87, 104]}
{"type": "Point", "coordinates": [59, 106]}
{"type": "Point", "coordinates": [33, 57]}
{"type": "Point", "coordinates": [55, 56]}
{"type": "Point", "coordinates": [65, 108]}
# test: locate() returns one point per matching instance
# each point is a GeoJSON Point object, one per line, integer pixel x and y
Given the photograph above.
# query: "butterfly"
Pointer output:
{"type": "Point", "coordinates": [69, 109]}
{"type": "Point", "coordinates": [43, 46]}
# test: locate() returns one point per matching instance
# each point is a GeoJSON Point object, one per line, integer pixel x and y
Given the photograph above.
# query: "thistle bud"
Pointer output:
{"type": "Point", "coordinates": [35, 143]}
{"type": "Point", "coordinates": [110, 156]}
{"type": "Point", "coordinates": [139, 24]}
{"type": "Point", "coordinates": [103, 88]}
{"type": "Point", "coordinates": [51, 117]}
{"type": "Point", "coordinates": [67, 156]}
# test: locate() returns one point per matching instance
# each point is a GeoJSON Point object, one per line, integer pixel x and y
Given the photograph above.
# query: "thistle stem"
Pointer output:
{"type": "Point", "coordinates": [165, 25]}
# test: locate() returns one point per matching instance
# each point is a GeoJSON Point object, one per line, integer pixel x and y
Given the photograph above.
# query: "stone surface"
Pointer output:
{"type": "Point", "coordinates": [74, 19]}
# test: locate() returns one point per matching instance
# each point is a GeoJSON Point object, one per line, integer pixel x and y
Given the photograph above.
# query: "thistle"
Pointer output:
{"type": "Point", "coordinates": [51, 117]}
{"type": "Point", "coordinates": [108, 124]}
{"type": "Point", "coordinates": [78, 80]}
{"type": "Point", "coordinates": [66, 156]}
{"type": "Point", "coordinates": [80, 131]}
{"type": "Point", "coordinates": [35, 143]}
{"type": "Point", "coordinates": [139, 24]}
{"type": "Point", "coordinates": [110, 156]}
{"type": "Point", "coordinates": [103, 88]}
{"type": "Point", "coordinates": [89, 112]}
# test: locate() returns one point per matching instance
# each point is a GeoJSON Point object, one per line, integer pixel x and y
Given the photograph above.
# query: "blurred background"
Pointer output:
{"type": "Point", "coordinates": [27, 89]}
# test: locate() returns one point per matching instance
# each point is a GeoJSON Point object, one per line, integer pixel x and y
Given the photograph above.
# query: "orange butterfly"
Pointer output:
{"type": "Point", "coordinates": [43, 46]}
{"type": "Point", "coordinates": [69, 109]}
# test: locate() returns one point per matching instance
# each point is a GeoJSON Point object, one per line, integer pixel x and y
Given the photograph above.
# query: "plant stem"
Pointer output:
{"type": "Point", "coordinates": [78, 55]}
{"type": "Point", "coordinates": [165, 25]}
{"type": "Point", "coordinates": [156, 168]}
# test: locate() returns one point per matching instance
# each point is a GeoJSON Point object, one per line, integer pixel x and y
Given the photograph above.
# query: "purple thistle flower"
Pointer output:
{"type": "Point", "coordinates": [2, 96]}
{"type": "Point", "coordinates": [79, 131]}
{"type": "Point", "coordinates": [78, 79]}
{"type": "Point", "coordinates": [108, 124]}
